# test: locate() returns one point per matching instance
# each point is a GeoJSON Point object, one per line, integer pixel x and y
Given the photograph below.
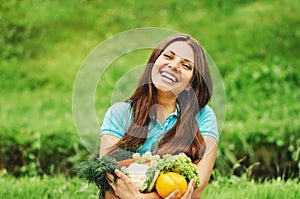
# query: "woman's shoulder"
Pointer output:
{"type": "Point", "coordinates": [207, 122]}
{"type": "Point", "coordinates": [205, 112]}
{"type": "Point", "coordinates": [120, 107]}
{"type": "Point", "coordinates": [116, 119]}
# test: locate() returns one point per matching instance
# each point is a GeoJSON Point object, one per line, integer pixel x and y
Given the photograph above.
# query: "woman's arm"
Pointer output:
{"type": "Point", "coordinates": [205, 166]}
{"type": "Point", "coordinates": [106, 142]}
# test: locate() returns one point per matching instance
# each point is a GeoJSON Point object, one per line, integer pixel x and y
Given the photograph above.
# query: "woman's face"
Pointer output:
{"type": "Point", "coordinates": [174, 68]}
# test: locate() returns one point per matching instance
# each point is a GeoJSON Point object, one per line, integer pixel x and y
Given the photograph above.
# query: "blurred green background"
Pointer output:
{"type": "Point", "coordinates": [255, 45]}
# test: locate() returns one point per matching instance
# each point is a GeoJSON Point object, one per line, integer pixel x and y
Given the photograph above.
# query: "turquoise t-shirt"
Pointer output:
{"type": "Point", "coordinates": [118, 119]}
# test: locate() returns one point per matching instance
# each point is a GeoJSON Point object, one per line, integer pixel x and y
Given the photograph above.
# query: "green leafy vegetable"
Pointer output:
{"type": "Point", "coordinates": [152, 175]}
{"type": "Point", "coordinates": [181, 164]}
{"type": "Point", "coordinates": [95, 172]}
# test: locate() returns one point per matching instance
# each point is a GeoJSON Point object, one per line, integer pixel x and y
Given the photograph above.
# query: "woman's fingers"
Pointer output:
{"type": "Point", "coordinates": [109, 177]}
{"type": "Point", "coordinates": [122, 176]}
{"type": "Point", "coordinates": [190, 188]}
{"type": "Point", "coordinates": [188, 193]}
{"type": "Point", "coordinates": [173, 195]}
{"type": "Point", "coordinates": [122, 186]}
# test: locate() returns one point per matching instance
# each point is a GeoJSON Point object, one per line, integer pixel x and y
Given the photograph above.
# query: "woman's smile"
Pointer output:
{"type": "Point", "coordinates": [168, 77]}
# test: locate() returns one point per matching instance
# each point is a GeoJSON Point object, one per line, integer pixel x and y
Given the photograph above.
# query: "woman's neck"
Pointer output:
{"type": "Point", "coordinates": [167, 105]}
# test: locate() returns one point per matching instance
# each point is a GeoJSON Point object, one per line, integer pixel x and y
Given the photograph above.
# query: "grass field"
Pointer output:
{"type": "Point", "coordinates": [60, 187]}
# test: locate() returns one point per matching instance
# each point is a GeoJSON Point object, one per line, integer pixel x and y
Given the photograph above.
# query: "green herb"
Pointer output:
{"type": "Point", "coordinates": [122, 154]}
{"type": "Point", "coordinates": [95, 172]}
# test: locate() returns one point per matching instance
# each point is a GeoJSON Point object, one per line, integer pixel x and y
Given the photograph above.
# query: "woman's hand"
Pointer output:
{"type": "Point", "coordinates": [124, 187]}
{"type": "Point", "coordinates": [187, 194]}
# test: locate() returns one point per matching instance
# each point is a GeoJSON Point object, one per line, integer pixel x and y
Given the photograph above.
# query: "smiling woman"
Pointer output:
{"type": "Point", "coordinates": [166, 114]}
{"type": "Point", "coordinates": [172, 71]}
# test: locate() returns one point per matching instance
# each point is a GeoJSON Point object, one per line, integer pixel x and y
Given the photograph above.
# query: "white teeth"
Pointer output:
{"type": "Point", "coordinates": [167, 75]}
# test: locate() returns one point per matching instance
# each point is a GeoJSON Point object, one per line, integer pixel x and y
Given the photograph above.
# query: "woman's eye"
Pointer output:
{"type": "Point", "coordinates": [187, 66]}
{"type": "Point", "coordinates": [168, 56]}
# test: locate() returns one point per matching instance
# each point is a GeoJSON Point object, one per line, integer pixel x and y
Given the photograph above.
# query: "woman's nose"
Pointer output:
{"type": "Point", "coordinates": [175, 64]}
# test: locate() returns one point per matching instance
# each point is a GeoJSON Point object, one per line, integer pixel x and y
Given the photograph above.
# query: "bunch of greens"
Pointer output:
{"type": "Point", "coordinates": [180, 164]}
{"type": "Point", "coordinates": [94, 171]}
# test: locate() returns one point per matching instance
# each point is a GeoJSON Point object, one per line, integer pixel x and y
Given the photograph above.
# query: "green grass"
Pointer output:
{"type": "Point", "coordinates": [38, 188]}
{"type": "Point", "coordinates": [61, 187]}
{"type": "Point", "coordinates": [241, 188]}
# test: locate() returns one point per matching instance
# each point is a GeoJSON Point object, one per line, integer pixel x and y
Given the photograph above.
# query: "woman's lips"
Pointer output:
{"type": "Point", "coordinates": [169, 76]}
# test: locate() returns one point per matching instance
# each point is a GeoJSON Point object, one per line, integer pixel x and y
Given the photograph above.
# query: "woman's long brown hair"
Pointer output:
{"type": "Point", "coordinates": [185, 135]}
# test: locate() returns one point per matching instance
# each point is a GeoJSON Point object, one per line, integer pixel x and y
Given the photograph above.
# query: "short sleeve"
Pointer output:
{"type": "Point", "coordinates": [116, 120]}
{"type": "Point", "coordinates": [207, 122]}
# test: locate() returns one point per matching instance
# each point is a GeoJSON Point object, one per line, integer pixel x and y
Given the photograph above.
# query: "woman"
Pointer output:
{"type": "Point", "coordinates": [167, 114]}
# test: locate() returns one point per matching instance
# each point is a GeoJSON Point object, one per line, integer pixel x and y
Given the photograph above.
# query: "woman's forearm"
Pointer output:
{"type": "Point", "coordinates": [197, 193]}
{"type": "Point", "coordinates": [151, 195]}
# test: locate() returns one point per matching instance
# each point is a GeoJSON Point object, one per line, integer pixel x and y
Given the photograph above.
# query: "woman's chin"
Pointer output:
{"type": "Point", "coordinates": [165, 89]}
